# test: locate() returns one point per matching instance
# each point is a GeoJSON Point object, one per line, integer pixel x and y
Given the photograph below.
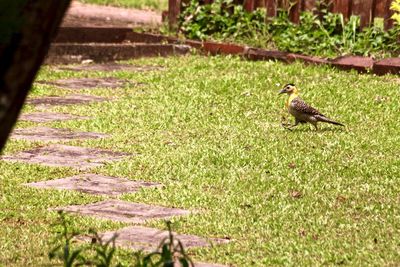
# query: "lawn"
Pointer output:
{"type": "Point", "coordinates": [158, 5]}
{"type": "Point", "coordinates": [208, 128]}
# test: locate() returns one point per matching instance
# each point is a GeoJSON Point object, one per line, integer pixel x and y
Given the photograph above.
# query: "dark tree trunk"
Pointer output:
{"type": "Point", "coordinates": [26, 29]}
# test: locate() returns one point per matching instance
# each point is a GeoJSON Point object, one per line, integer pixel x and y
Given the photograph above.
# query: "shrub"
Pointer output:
{"type": "Point", "coordinates": [101, 252]}
{"type": "Point", "coordinates": [396, 8]}
{"type": "Point", "coordinates": [325, 34]}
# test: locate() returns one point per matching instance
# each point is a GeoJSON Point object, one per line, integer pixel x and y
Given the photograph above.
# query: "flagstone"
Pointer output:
{"type": "Point", "coordinates": [52, 134]}
{"type": "Point", "coordinates": [110, 67]}
{"type": "Point", "coordinates": [64, 100]}
{"type": "Point", "coordinates": [85, 83]}
{"type": "Point", "coordinates": [145, 238]}
{"type": "Point", "coordinates": [95, 184]}
{"type": "Point", "coordinates": [49, 117]}
{"type": "Point", "coordinates": [123, 211]}
{"type": "Point", "coordinates": [66, 156]}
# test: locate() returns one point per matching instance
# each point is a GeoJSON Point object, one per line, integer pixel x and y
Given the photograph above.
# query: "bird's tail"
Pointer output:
{"type": "Point", "coordinates": [325, 119]}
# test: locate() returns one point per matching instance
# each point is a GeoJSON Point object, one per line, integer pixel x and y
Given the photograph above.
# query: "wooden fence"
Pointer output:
{"type": "Point", "coordinates": [368, 10]}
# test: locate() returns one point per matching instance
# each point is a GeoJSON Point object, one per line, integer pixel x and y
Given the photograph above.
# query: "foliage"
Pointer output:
{"type": "Point", "coordinates": [169, 251]}
{"type": "Point", "coordinates": [66, 250]}
{"type": "Point", "coordinates": [328, 34]}
{"type": "Point", "coordinates": [104, 250]}
{"type": "Point", "coordinates": [100, 253]}
{"type": "Point", "coordinates": [396, 7]}
{"type": "Point", "coordinates": [325, 33]}
{"type": "Point", "coordinates": [221, 19]}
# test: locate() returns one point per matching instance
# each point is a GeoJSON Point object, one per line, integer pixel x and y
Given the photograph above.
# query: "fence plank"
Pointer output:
{"type": "Point", "coordinates": [294, 13]}
{"type": "Point", "coordinates": [379, 10]}
{"type": "Point", "coordinates": [249, 5]}
{"type": "Point", "coordinates": [308, 5]}
{"type": "Point", "coordinates": [388, 15]}
{"type": "Point", "coordinates": [271, 8]}
{"type": "Point", "coordinates": [174, 10]}
{"type": "Point", "coordinates": [260, 3]}
{"type": "Point", "coordinates": [343, 7]}
{"type": "Point", "coordinates": [363, 8]}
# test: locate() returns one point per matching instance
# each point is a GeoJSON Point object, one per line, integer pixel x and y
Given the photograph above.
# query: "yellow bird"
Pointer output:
{"type": "Point", "coordinates": [300, 110]}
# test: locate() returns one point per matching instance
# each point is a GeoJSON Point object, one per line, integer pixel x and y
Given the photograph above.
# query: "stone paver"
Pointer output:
{"type": "Point", "coordinates": [49, 117]}
{"type": "Point", "coordinates": [66, 156]}
{"type": "Point", "coordinates": [110, 67]}
{"type": "Point", "coordinates": [95, 184]}
{"type": "Point", "coordinates": [123, 211]}
{"type": "Point", "coordinates": [64, 100]}
{"type": "Point", "coordinates": [52, 134]}
{"type": "Point", "coordinates": [145, 238]}
{"type": "Point", "coordinates": [87, 83]}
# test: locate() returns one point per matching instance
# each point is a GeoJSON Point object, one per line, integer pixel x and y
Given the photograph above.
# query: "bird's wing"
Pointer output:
{"type": "Point", "coordinates": [301, 106]}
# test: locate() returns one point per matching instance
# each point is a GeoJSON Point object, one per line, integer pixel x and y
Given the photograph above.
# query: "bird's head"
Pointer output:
{"type": "Point", "coordinates": [289, 89]}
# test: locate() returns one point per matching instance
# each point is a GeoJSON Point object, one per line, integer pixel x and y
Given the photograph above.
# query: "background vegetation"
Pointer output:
{"type": "Point", "coordinates": [321, 33]}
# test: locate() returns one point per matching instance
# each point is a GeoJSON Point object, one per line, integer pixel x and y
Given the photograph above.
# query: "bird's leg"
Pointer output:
{"type": "Point", "coordinates": [284, 122]}
{"type": "Point", "coordinates": [289, 126]}
{"type": "Point", "coordinates": [315, 125]}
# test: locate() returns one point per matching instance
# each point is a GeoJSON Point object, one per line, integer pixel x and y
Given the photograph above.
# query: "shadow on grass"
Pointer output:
{"type": "Point", "coordinates": [321, 130]}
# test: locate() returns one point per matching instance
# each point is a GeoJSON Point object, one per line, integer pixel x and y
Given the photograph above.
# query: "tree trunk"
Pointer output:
{"type": "Point", "coordinates": [26, 29]}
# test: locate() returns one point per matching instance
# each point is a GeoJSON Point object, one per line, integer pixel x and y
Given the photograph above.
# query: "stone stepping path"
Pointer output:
{"type": "Point", "coordinates": [123, 211]}
{"type": "Point", "coordinates": [56, 155]}
{"type": "Point", "coordinates": [64, 100]}
{"type": "Point", "coordinates": [49, 117]}
{"type": "Point", "coordinates": [66, 156]}
{"type": "Point", "coordinates": [95, 184]}
{"type": "Point", "coordinates": [87, 83]}
{"type": "Point", "coordinates": [148, 239]}
{"type": "Point", "coordinates": [52, 134]}
{"type": "Point", "coordinates": [110, 67]}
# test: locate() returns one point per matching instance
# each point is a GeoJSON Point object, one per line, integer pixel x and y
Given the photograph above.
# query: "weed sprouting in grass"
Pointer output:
{"type": "Point", "coordinates": [67, 250]}
{"type": "Point", "coordinates": [100, 252]}
{"type": "Point", "coordinates": [104, 251]}
{"type": "Point", "coordinates": [169, 252]}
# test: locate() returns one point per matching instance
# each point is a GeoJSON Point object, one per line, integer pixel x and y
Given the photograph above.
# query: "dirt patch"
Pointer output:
{"type": "Point", "coordinates": [87, 83]}
{"type": "Point", "coordinates": [144, 238]}
{"type": "Point", "coordinates": [123, 211]}
{"type": "Point", "coordinates": [49, 117]}
{"type": "Point", "coordinates": [80, 14]}
{"type": "Point", "coordinates": [64, 100]}
{"type": "Point", "coordinates": [66, 156]}
{"type": "Point", "coordinates": [110, 67]}
{"type": "Point", "coordinates": [52, 134]}
{"type": "Point", "coordinates": [95, 184]}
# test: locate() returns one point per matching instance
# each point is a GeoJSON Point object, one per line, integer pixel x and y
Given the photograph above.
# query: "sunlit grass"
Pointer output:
{"type": "Point", "coordinates": [208, 128]}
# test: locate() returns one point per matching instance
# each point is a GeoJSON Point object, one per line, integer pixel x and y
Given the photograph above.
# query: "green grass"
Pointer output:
{"type": "Point", "coordinates": [208, 128]}
{"type": "Point", "coordinates": [158, 5]}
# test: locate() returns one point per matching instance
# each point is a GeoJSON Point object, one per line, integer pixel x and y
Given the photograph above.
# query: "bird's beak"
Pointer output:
{"type": "Point", "coordinates": [282, 91]}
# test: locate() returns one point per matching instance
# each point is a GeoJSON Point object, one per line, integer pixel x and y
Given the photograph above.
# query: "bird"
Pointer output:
{"type": "Point", "coordinates": [301, 111]}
